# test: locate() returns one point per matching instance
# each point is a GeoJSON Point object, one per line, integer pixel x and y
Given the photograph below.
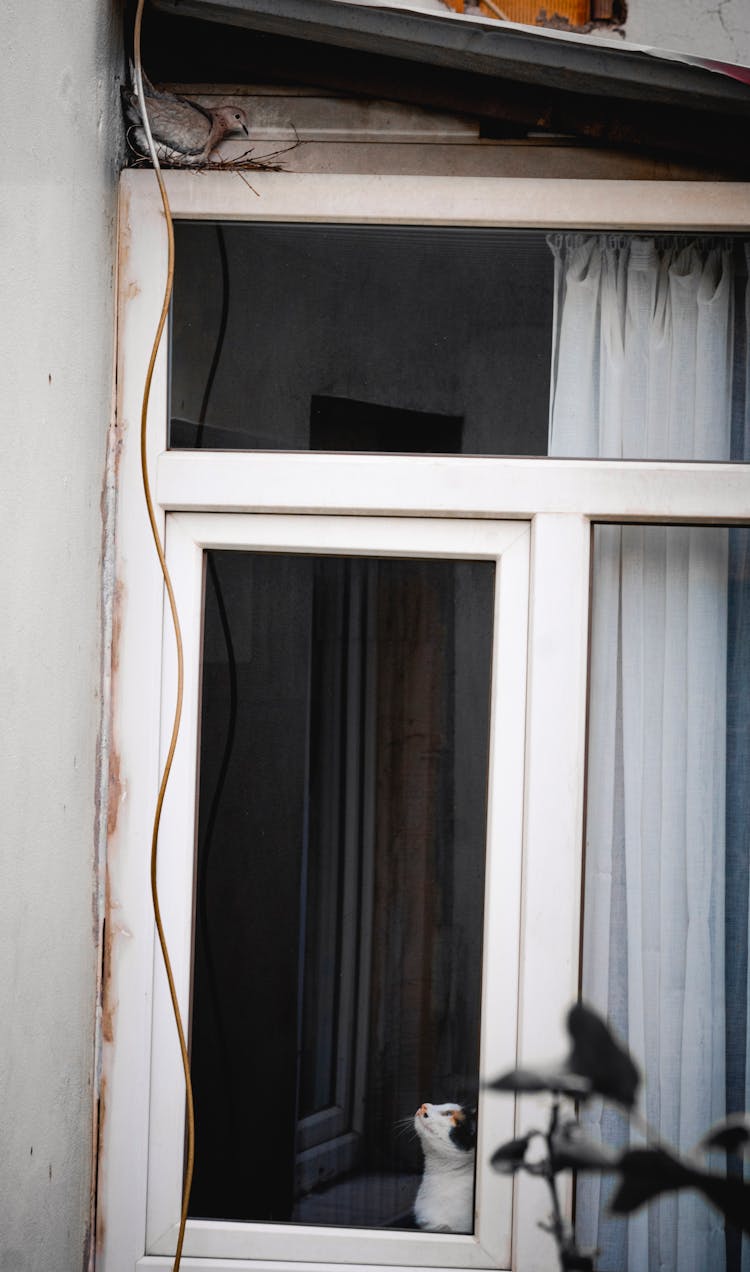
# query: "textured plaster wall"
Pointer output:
{"type": "Point", "coordinates": [57, 254]}
{"type": "Point", "coordinates": [709, 28]}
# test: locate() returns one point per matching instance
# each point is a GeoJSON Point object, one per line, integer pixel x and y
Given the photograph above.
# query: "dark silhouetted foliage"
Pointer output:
{"type": "Point", "coordinates": [598, 1064]}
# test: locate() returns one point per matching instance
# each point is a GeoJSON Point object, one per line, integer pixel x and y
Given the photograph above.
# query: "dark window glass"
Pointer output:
{"type": "Point", "coordinates": [321, 337]}
{"type": "Point", "coordinates": [440, 340]}
{"type": "Point", "coordinates": [340, 877]}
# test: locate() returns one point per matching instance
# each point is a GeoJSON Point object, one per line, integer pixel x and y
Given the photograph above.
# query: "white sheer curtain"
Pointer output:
{"type": "Point", "coordinates": [642, 368]}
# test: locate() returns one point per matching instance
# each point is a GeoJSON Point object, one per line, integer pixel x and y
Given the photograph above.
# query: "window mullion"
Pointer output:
{"type": "Point", "coordinates": [452, 486]}
{"type": "Point", "coordinates": [555, 742]}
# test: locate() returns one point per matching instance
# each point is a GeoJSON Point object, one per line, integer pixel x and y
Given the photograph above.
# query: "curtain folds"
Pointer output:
{"type": "Point", "coordinates": [652, 327]}
{"type": "Point", "coordinates": [646, 366]}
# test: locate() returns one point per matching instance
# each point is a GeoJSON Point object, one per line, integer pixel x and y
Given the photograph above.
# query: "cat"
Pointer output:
{"type": "Point", "coordinates": [445, 1201]}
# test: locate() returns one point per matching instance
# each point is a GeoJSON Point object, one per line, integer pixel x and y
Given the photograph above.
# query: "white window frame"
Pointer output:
{"type": "Point", "coordinates": [506, 544]}
{"type": "Point", "coordinates": [303, 496]}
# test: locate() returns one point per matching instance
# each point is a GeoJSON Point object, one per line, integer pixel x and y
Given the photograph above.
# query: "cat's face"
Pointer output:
{"type": "Point", "coordinates": [446, 1129]}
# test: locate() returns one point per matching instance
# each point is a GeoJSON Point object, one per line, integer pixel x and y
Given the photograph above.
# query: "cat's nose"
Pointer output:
{"type": "Point", "coordinates": [422, 1111]}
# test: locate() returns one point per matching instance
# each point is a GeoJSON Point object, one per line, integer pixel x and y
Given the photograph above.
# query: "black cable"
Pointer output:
{"type": "Point", "coordinates": [213, 812]}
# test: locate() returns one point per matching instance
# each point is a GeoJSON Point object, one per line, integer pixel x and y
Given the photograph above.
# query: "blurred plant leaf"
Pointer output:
{"type": "Point", "coordinates": [583, 1260]}
{"type": "Point", "coordinates": [598, 1064]}
{"type": "Point", "coordinates": [732, 1135]}
{"type": "Point", "coordinates": [572, 1150]}
{"type": "Point", "coordinates": [509, 1157]}
{"type": "Point", "coordinates": [647, 1172]}
{"type": "Point", "coordinates": [731, 1196]}
{"type": "Point", "coordinates": [599, 1057]}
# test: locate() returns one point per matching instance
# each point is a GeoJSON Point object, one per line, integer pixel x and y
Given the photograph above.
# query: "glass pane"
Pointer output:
{"type": "Point", "coordinates": [459, 341]}
{"type": "Point", "coordinates": [361, 338]}
{"type": "Point", "coordinates": [340, 880]}
{"type": "Point", "coordinates": [665, 951]}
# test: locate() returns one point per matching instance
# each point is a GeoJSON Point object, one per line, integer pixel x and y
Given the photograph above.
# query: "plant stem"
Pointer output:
{"type": "Point", "coordinates": [558, 1226]}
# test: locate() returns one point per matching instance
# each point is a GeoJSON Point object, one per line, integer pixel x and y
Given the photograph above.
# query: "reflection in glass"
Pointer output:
{"type": "Point", "coordinates": [450, 340]}
{"type": "Point", "coordinates": [340, 877]}
{"type": "Point", "coordinates": [361, 338]}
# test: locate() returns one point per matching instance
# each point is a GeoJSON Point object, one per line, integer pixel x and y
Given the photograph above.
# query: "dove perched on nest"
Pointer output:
{"type": "Point", "coordinates": [184, 133]}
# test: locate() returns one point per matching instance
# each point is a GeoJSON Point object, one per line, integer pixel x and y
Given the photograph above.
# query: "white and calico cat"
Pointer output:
{"type": "Point", "coordinates": [445, 1201]}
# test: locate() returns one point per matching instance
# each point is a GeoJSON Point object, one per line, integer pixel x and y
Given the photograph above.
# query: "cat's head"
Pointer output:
{"type": "Point", "coordinates": [446, 1129]}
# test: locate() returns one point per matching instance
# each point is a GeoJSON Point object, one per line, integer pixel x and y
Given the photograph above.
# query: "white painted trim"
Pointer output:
{"type": "Point", "coordinates": [134, 770]}
{"type": "Point", "coordinates": [507, 544]}
{"type": "Point", "coordinates": [478, 201]}
{"type": "Point", "coordinates": [379, 1251]}
{"type": "Point", "coordinates": [502, 920]}
{"type": "Point", "coordinates": [391, 536]}
{"type": "Point", "coordinates": [175, 879]}
{"type": "Point", "coordinates": [163, 1263]}
{"type": "Point", "coordinates": [555, 752]}
{"type": "Point", "coordinates": [451, 486]}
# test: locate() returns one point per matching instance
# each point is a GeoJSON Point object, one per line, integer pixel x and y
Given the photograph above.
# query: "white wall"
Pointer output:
{"type": "Point", "coordinates": [61, 135]}
{"type": "Point", "coordinates": [708, 28]}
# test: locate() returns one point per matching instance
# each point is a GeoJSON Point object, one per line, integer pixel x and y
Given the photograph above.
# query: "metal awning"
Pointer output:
{"type": "Point", "coordinates": [602, 90]}
{"type": "Point", "coordinates": [482, 46]}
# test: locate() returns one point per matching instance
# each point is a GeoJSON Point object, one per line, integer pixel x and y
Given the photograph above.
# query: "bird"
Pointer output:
{"type": "Point", "coordinates": [184, 132]}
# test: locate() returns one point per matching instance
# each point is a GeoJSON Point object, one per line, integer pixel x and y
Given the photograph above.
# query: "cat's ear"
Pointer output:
{"type": "Point", "coordinates": [464, 1130]}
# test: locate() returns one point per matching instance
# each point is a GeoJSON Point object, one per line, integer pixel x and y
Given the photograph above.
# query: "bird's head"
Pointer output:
{"type": "Point", "coordinates": [233, 119]}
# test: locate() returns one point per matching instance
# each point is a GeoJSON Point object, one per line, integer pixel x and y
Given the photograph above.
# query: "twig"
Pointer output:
{"type": "Point", "coordinates": [243, 162]}
{"type": "Point", "coordinates": [558, 1224]}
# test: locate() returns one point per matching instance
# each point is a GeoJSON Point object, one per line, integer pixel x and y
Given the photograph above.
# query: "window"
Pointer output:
{"type": "Point", "coordinates": [340, 872]}
{"type": "Point", "coordinates": [440, 339]}
{"type": "Point", "coordinates": [380, 799]}
{"type": "Point", "coordinates": [336, 552]}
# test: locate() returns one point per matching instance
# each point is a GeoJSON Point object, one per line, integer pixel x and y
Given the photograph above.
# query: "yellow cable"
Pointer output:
{"type": "Point", "coordinates": [178, 641]}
